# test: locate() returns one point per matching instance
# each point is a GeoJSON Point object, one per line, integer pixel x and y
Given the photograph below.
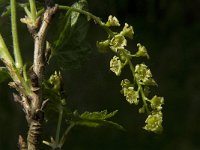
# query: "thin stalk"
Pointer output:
{"type": "Point", "coordinates": [17, 53]}
{"type": "Point", "coordinates": [59, 126]}
{"type": "Point", "coordinates": [62, 141]}
{"type": "Point", "coordinates": [39, 13]}
{"type": "Point", "coordinates": [33, 9]}
{"type": "Point", "coordinates": [90, 15]}
{"type": "Point", "coordinates": [139, 86]}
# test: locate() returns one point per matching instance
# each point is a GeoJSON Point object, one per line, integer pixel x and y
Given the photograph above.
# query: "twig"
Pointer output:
{"type": "Point", "coordinates": [36, 119]}
{"type": "Point", "coordinates": [40, 39]}
{"type": "Point", "coordinates": [22, 143]}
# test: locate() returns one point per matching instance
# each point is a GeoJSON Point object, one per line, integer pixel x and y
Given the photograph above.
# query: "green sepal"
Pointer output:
{"type": "Point", "coordinates": [103, 46]}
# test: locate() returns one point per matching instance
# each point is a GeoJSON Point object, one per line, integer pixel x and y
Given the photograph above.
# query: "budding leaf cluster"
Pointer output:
{"type": "Point", "coordinates": [53, 92]}
{"type": "Point", "coordinates": [135, 91]}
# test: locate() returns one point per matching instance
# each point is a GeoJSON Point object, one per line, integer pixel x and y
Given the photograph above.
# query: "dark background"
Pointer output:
{"type": "Point", "coordinates": [170, 30]}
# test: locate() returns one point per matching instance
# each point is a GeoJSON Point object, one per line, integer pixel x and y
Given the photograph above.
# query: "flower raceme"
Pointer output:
{"type": "Point", "coordinates": [135, 91]}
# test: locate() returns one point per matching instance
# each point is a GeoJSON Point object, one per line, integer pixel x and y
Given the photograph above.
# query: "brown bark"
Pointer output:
{"type": "Point", "coordinates": [36, 118]}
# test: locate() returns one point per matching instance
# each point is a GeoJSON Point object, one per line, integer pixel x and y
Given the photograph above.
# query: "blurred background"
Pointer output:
{"type": "Point", "coordinates": [170, 30]}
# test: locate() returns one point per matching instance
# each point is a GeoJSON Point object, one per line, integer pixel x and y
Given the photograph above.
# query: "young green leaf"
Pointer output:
{"type": "Point", "coordinates": [102, 115]}
{"type": "Point", "coordinates": [69, 46]}
{"type": "Point", "coordinates": [96, 119]}
{"type": "Point", "coordinates": [72, 27]}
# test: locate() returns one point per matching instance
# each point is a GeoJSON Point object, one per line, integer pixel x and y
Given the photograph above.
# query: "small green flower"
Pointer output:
{"type": "Point", "coordinates": [103, 46]}
{"type": "Point", "coordinates": [157, 102]}
{"type": "Point", "coordinates": [143, 75]}
{"type": "Point", "coordinates": [142, 51]}
{"type": "Point", "coordinates": [112, 21]}
{"type": "Point", "coordinates": [116, 65]}
{"type": "Point", "coordinates": [129, 92]}
{"type": "Point", "coordinates": [125, 83]}
{"type": "Point", "coordinates": [127, 31]}
{"type": "Point", "coordinates": [154, 122]}
{"type": "Point", "coordinates": [124, 54]}
{"type": "Point", "coordinates": [131, 95]}
{"type": "Point", "coordinates": [55, 81]}
{"type": "Point", "coordinates": [118, 42]}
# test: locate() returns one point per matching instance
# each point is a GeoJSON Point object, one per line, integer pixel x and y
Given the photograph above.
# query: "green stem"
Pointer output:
{"type": "Point", "coordinates": [4, 53]}
{"type": "Point", "coordinates": [28, 13]}
{"type": "Point", "coordinates": [33, 9]}
{"type": "Point", "coordinates": [17, 53]}
{"type": "Point", "coordinates": [9, 62]}
{"type": "Point", "coordinates": [39, 13]}
{"type": "Point", "coordinates": [59, 126]}
{"type": "Point", "coordinates": [90, 15]}
{"type": "Point", "coordinates": [139, 86]}
{"type": "Point", "coordinates": [62, 141]}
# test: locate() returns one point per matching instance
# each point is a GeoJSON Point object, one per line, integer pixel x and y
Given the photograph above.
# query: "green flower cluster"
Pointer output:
{"type": "Point", "coordinates": [142, 77]}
